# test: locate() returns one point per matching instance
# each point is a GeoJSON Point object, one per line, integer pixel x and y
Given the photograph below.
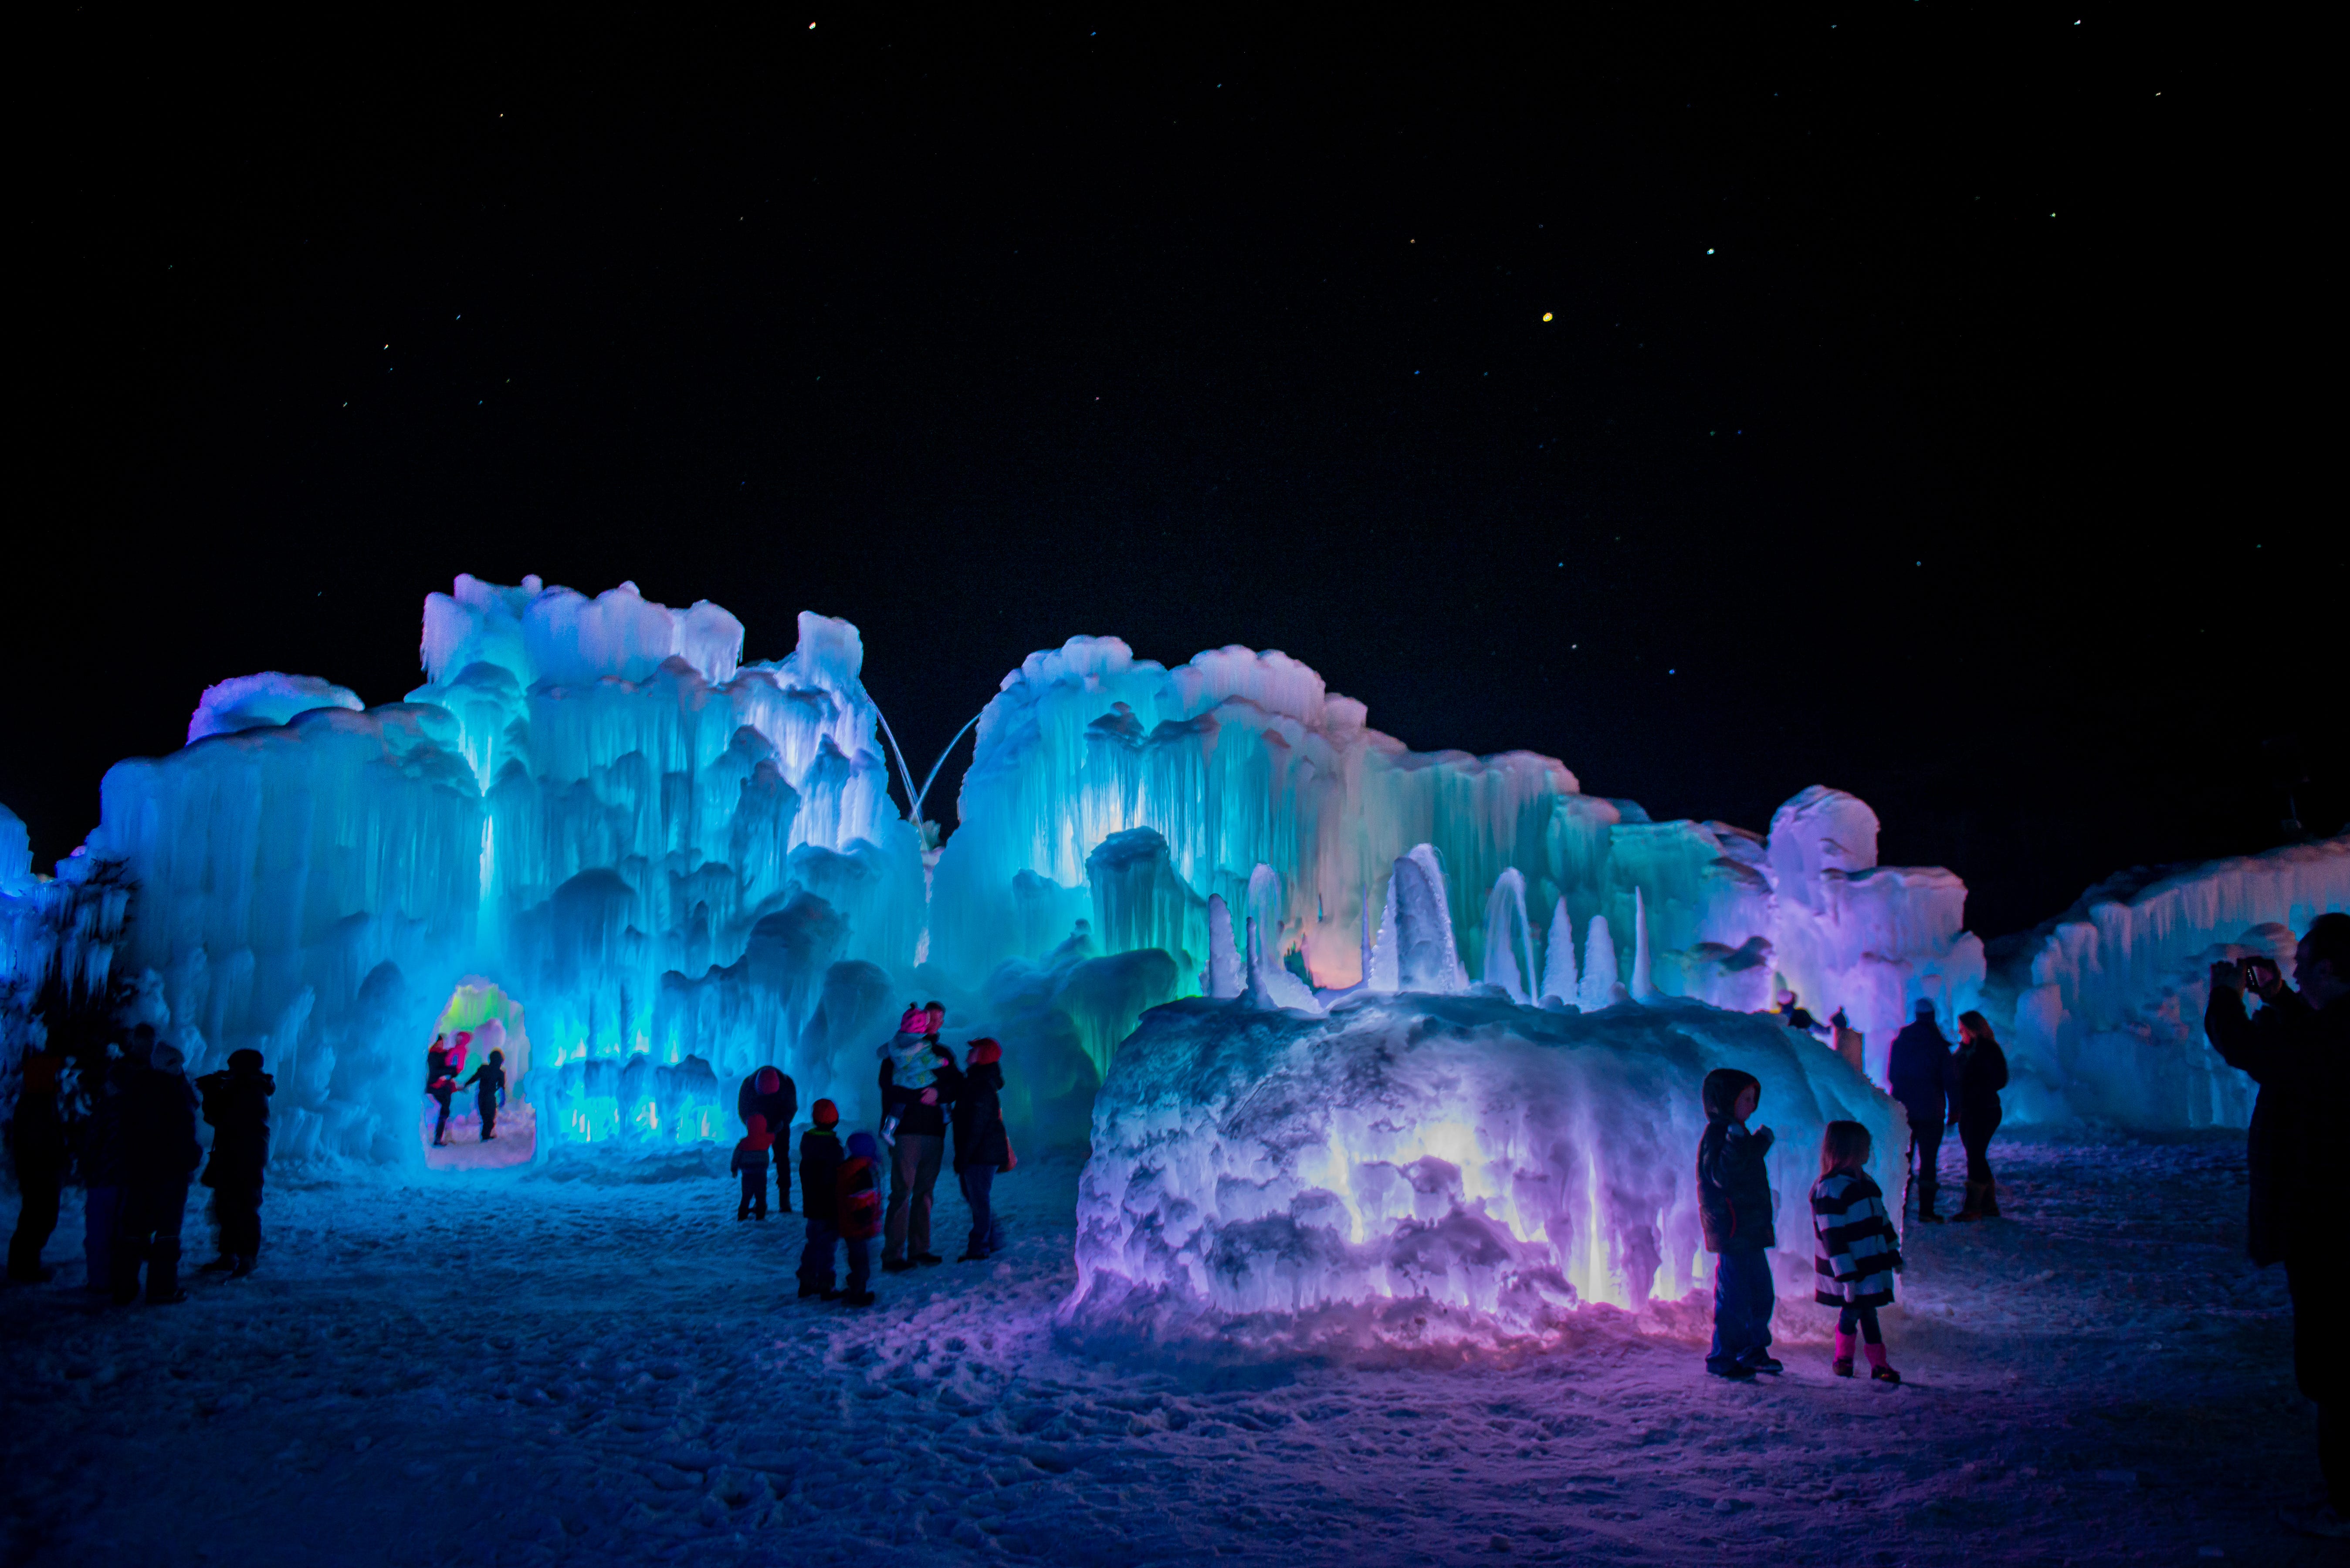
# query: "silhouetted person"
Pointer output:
{"type": "Point", "coordinates": [1981, 1069]}
{"type": "Point", "coordinates": [37, 1144]}
{"type": "Point", "coordinates": [236, 1104]}
{"type": "Point", "coordinates": [489, 1086]}
{"type": "Point", "coordinates": [1918, 1070]}
{"type": "Point", "coordinates": [750, 1163]}
{"type": "Point", "coordinates": [2296, 1049]}
{"type": "Point", "coordinates": [821, 1157]}
{"type": "Point", "coordinates": [160, 1156]}
{"type": "Point", "coordinates": [440, 1081]}
{"type": "Point", "coordinates": [101, 1161]}
{"type": "Point", "coordinates": [770, 1092]}
{"type": "Point", "coordinates": [981, 1146]}
{"type": "Point", "coordinates": [919, 1082]}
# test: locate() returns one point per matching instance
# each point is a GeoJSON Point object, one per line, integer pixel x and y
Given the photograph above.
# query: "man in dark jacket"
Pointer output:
{"type": "Point", "coordinates": [981, 1146]}
{"type": "Point", "coordinates": [2296, 1049]}
{"type": "Point", "coordinates": [100, 1155]}
{"type": "Point", "coordinates": [37, 1143]}
{"type": "Point", "coordinates": [236, 1104]}
{"type": "Point", "coordinates": [1733, 1205]}
{"type": "Point", "coordinates": [770, 1092]}
{"type": "Point", "coordinates": [160, 1156]}
{"type": "Point", "coordinates": [1919, 1071]}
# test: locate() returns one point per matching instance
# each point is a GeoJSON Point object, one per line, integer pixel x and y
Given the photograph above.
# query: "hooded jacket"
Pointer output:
{"type": "Point", "coordinates": [820, 1157]}
{"type": "Point", "coordinates": [1733, 1184]}
{"type": "Point", "coordinates": [1918, 1069]}
{"type": "Point", "coordinates": [236, 1104]}
{"type": "Point", "coordinates": [978, 1135]}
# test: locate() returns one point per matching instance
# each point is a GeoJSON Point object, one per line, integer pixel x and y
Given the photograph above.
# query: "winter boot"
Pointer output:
{"type": "Point", "coordinates": [1973, 1209]}
{"type": "Point", "coordinates": [857, 1298]}
{"type": "Point", "coordinates": [1842, 1364]}
{"type": "Point", "coordinates": [244, 1263]}
{"type": "Point", "coordinates": [810, 1288]}
{"type": "Point", "coordinates": [1878, 1369]}
{"type": "Point", "coordinates": [163, 1274]}
{"type": "Point", "coordinates": [1990, 1200]}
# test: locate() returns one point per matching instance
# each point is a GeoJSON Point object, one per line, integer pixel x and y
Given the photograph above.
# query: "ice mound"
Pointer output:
{"type": "Point", "coordinates": [1422, 1169]}
{"type": "Point", "coordinates": [2101, 1009]}
{"type": "Point", "coordinates": [250, 702]}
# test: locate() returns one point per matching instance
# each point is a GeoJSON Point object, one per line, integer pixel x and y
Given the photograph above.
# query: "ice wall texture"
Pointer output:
{"type": "Point", "coordinates": [1240, 759]}
{"type": "Point", "coordinates": [1425, 1170]}
{"type": "Point", "coordinates": [678, 860]}
{"type": "Point", "coordinates": [2102, 1009]}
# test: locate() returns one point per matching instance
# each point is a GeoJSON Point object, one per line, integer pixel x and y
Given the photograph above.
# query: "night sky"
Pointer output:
{"type": "Point", "coordinates": [1899, 397]}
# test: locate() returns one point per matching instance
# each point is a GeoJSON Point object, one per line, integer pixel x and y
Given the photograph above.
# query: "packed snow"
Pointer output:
{"type": "Point", "coordinates": [565, 1366]}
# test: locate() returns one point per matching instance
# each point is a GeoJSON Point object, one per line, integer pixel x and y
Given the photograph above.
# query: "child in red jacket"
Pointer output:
{"type": "Point", "coordinates": [860, 1213]}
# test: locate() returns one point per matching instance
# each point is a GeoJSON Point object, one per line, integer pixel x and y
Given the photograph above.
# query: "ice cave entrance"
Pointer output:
{"type": "Point", "coordinates": [494, 1019]}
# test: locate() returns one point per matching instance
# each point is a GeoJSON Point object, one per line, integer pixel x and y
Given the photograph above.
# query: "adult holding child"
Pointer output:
{"type": "Point", "coordinates": [2295, 1048]}
{"type": "Point", "coordinates": [919, 1082]}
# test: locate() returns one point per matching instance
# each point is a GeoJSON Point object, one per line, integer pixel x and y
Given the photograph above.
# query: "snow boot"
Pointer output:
{"type": "Point", "coordinates": [857, 1298]}
{"type": "Point", "coordinates": [927, 1258]}
{"type": "Point", "coordinates": [810, 1288]}
{"type": "Point", "coordinates": [1765, 1361]}
{"type": "Point", "coordinates": [1973, 1209]}
{"type": "Point", "coordinates": [163, 1274]}
{"type": "Point", "coordinates": [896, 1265]}
{"type": "Point", "coordinates": [1842, 1364]}
{"type": "Point", "coordinates": [1734, 1370]}
{"type": "Point", "coordinates": [1990, 1199]}
{"type": "Point", "coordinates": [1878, 1369]}
{"type": "Point", "coordinates": [245, 1264]}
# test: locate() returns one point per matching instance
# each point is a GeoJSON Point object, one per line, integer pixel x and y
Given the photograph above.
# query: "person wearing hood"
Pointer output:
{"type": "Point", "coordinates": [2295, 1048]}
{"type": "Point", "coordinates": [918, 1082]}
{"type": "Point", "coordinates": [770, 1092]}
{"type": "Point", "coordinates": [236, 1104]}
{"type": "Point", "coordinates": [442, 1063]}
{"type": "Point", "coordinates": [1918, 1070]}
{"type": "Point", "coordinates": [489, 1086]}
{"type": "Point", "coordinates": [160, 1156]}
{"type": "Point", "coordinates": [36, 1146]}
{"type": "Point", "coordinates": [858, 1215]}
{"type": "Point", "coordinates": [981, 1146]}
{"type": "Point", "coordinates": [820, 1160]}
{"type": "Point", "coordinates": [1733, 1206]}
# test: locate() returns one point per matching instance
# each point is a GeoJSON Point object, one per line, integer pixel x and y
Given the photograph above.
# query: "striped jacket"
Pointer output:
{"type": "Point", "coordinates": [1855, 1251]}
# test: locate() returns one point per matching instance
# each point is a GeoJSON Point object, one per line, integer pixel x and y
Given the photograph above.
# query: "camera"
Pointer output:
{"type": "Point", "coordinates": [2261, 973]}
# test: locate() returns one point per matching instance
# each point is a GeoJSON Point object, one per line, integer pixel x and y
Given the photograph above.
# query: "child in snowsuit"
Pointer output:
{"type": "Point", "coordinates": [982, 1147]}
{"type": "Point", "coordinates": [1854, 1253]}
{"type": "Point", "coordinates": [236, 1103]}
{"type": "Point", "coordinates": [1733, 1199]}
{"type": "Point", "coordinates": [859, 1186]}
{"type": "Point", "coordinates": [489, 1086]}
{"type": "Point", "coordinates": [751, 1164]}
{"type": "Point", "coordinates": [820, 1162]}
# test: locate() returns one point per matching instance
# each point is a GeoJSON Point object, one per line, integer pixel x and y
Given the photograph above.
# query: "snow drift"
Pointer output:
{"type": "Point", "coordinates": [1420, 1169]}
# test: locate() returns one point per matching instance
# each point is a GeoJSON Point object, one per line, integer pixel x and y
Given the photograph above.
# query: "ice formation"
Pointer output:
{"type": "Point", "coordinates": [2101, 1010]}
{"type": "Point", "coordinates": [685, 865]}
{"type": "Point", "coordinates": [1427, 1168]}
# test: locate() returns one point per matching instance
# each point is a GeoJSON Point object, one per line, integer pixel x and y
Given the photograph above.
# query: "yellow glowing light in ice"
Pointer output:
{"type": "Point", "coordinates": [1545, 316]}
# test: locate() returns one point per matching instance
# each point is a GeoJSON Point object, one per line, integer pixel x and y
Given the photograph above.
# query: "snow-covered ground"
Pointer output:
{"type": "Point", "coordinates": [492, 1370]}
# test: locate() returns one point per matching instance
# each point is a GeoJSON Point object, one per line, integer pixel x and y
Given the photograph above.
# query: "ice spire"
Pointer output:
{"type": "Point", "coordinates": [1426, 956]}
{"type": "Point", "coordinates": [1558, 957]}
{"type": "Point", "coordinates": [1643, 988]}
{"type": "Point", "coordinates": [1509, 946]}
{"type": "Point", "coordinates": [1225, 976]}
{"type": "Point", "coordinates": [1269, 984]}
{"type": "Point", "coordinates": [1599, 983]}
{"type": "Point", "coordinates": [1380, 955]}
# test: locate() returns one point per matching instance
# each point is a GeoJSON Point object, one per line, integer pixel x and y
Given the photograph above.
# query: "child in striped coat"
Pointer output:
{"type": "Point", "coordinates": [1856, 1252]}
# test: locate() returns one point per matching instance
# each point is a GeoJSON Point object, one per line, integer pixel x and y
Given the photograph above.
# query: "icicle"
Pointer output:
{"type": "Point", "coordinates": [1379, 971]}
{"type": "Point", "coordinates": [1599, 983]}
{"type": "Point", "coordinates": [1509, 955]}
{"type": "Point", "coordinates": [1558, 957]}
{"type": "Point", "coordinates": [1643, 988]}
{"type": "Point", "coordinates": [1427, 959]}
{"type": "Point", "coordinates": [1225, 976]}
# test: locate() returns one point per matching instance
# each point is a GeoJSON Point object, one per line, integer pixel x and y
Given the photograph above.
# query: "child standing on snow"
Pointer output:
{"type": "Point", "coordinates": [1856, 1255]}
{"type": "Point", "coordinates": [859, 1187]}
{"type": "Point", "coordinates": [751, 1163]}
{"type": "Point", "coordinates": [1733, 1200]}
{"type": "Point", "coordinates": [820, 1161]}
{"type": "Point", "coordinates": [489, 1086]}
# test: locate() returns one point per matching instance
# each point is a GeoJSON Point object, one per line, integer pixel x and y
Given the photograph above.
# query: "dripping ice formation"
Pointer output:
{"type": "Point", "coordinates": [681, 863]}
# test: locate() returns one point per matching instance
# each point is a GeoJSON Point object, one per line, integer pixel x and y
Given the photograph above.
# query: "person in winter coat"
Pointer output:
{"type": "Point", "coordinates": [160, 1156]}
{"type": "Point", "coordinates": [442, 1063]}
{"type": "Point", "coordinates": [820, 1159]}
{"type": "Point", "coordinates": [1855, 1251]}
{"type": "Point", "coordinates": [236, 1104]}
{"type": "Point", "coordinates": [36, 1146]}
{"type": "Point", "coordinates": [751, 1165]}
{"type": "Point", "coordinates": [102, 1169]}
{"type": "Point", "coordinates": [489, 1086]}
{"type": "Point", "coordinates": [1733, 1201]}
{"type": "Point", "coordinates": [2296, 1049]}
{"type": "Point", "coordinates": [1919, 1071]}
{"type": "Point", "coordinates": [981, 1146]}
{"type": "Point", "coordinates": [1980, 1070]}
{"type": "Point", "coordinates": [770, 1092]}
{"type": "Point", "coordinates": [859, 1187]}
{"type": "Point", "coordinates": [1849, 1044]}
{"type": "Point", "coordinates": [919, 1082]}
